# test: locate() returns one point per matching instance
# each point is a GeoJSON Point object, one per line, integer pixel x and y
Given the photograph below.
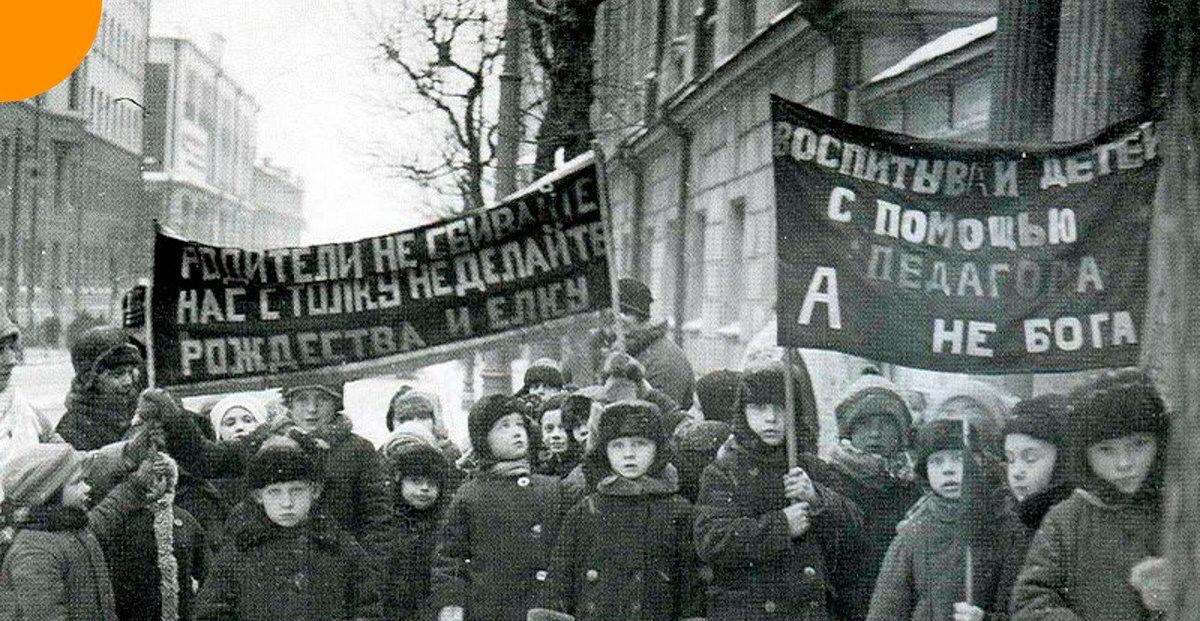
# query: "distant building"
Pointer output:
{"type": "Point", "coordinates": [75, 228]}
{"type": "Point", "coordinates": [200, 142]}
{"type": "Point", "coordinates": [279, 207]}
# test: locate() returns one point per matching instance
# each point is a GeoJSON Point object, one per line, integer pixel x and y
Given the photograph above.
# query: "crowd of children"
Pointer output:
{"type": "Point", "coordinates": [604, 502]}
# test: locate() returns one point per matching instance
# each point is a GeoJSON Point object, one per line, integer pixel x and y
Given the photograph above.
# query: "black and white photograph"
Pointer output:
{"type": "Point", "coordinates": [600, 310]}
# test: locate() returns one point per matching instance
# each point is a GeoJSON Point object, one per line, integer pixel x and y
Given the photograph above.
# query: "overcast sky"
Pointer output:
{"type": "Point", "coordinates": [307, 63]}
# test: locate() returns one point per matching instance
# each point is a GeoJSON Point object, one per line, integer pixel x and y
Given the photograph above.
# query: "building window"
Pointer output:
{"type": "Point", "coordinates": [189, 97]}
{"type": "Point", "coordinates": [735, 271]}
{"type": "Point", "coordinates": [74, 89]}
{"type": "Point", "coordinates": [61, 150]}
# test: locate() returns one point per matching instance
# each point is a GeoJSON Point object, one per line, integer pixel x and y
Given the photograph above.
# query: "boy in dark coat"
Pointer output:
{"type": "Point", "coordinates": [625, 552]}
{"type": "Point", "coordinates": [288, 563]}
{"type": "Point", "coordinates": [134, 562]}
{"type": "Point", "coordinates": [871, 465]}
{"type": "Point", "coordinates": [54, 567]}
{"type": "Point", "coordinates": [1035, 447]}
{"type": "Point", "coordinates": [559, 453]}
{"type": "Point", "coordinates": [922, 576]}
{"type": "Point", "coordinates": [492, 557]}
{"type": "Point", "coordinates": [417, 471]}
{"type": "Point", "coordinates": [781, 544]}
{"type": "Point", "coordinates": [1080, 562]}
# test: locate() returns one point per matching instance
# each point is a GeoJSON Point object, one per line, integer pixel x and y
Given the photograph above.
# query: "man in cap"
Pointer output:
{"type": "Point", "coordinates": [667, 368]}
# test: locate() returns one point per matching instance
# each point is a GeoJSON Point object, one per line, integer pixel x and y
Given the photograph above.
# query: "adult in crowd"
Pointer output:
{"type": "Point", "coordinates": [666, 366]}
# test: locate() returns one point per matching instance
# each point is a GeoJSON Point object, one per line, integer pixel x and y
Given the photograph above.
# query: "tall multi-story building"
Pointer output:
{"type": "Point", "coordinates": [279, 207]}
{"type": "Point", "coordinates": [200, 142]}
{"type": "Point", "coordinates": [75, 230]}
{"type": "Point", "coordinates": [688, 84]}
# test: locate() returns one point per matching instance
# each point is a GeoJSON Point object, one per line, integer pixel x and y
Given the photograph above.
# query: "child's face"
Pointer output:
{"type": "Point", "coordinates": [580, 433]}
{"type": "Point", "coordinates": [554, 436]}
{"type": "Point", "coordinates": [288, 503]}
{"type": "Point", "coordinates": [1124, 461]}
{"type": "Point", "coordinates": [766, 421]}
{"type": "Point", "coordinates": [945, 469]}
{"type": "Point", "coordinates": [76, 491]}
{"type": "Point", "coordinates": [876, 433]}
{"type": "Point", "coordinates": [631, 456]}
{"type": "Point", "coordinates": [419, 492]}
{"type": "Point", "coordinates": [1030, 464]}
{"type": "Point", "coordinates": [544, 391]}
{"type": "Point", "coordinates": [508, 438]}
{"type": "Point", "coordinates": [236, 423]}
{"type": "Point", "coordinates": [312, 408]}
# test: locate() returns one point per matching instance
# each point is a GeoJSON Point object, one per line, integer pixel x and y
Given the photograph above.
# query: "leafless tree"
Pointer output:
{"type": "Point", "coordinates": [444, 56]}
{"type": "Point", "coordinates": [561, 33]}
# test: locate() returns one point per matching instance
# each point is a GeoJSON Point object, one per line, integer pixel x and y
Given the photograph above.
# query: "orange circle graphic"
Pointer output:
{"type": "Point", "coordinates": [42, 42]}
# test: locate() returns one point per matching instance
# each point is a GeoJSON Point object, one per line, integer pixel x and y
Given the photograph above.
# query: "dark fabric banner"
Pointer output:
{"type": "Point", "coordinates": [962, 257]}
{"type": "Point", "coordinates": [228, 317]}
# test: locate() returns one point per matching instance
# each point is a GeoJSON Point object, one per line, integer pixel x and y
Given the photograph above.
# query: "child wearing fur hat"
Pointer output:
{"type": "Point", "coordinates": [543, 378]}
{"type": "Point", "coordinates": [870, 465]}
{"type": "Point", "coordinates": [55, 566]}
{"type": "Point", "coordinates": [288, 563]}
{"type": "Point", "coordinates": [781, 543]}
{"type": "Point", "coordinates": [922, 576]}
{"type": "Point", "coordinates": [493, 554]}
{"type": "Point", "coordinates": [418, 472]}
{"type": "Point", "coordinates": [1087, 559]}
{"type": "Point", "coordinates": [559, 452]}
{"type": "Point", "coordinates": [625, 551]}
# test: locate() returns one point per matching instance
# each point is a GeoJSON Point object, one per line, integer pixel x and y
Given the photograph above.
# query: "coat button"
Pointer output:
{"type": "Point", "coordinates": [635, 606]}
{"type": "Point", "coordinates": [541, 575]}
{"type": "Point", "coordinates": [523, 481]}
{"type": "Point", "coordinates": [592, 575]}
{"type": "Point", "coordinates": [754, 472]}
{"type": "Point", "coordinates": [537, 529]}
{"type": "Point", "coordinates": [769, 606]}
{"type": "Point", "coordinates": [178, 522]}
{"type": "Point", "coordinates": [637, 576]}
{"type": "Point", "coordinates": [810, 572]}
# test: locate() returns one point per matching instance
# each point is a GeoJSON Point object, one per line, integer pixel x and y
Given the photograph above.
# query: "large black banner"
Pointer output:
{"type": "Point", "coordinates": [225, 318]}
{"type": "Point", "coordinates": [961, 257]}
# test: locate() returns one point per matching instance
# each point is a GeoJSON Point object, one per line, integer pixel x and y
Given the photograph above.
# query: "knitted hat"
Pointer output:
{"type": "Point", "coordinates": [34, 474]}
{"type": "Point", "coordinates": [246, 402]}
{"type": "Point", "coordinates": [544, 371]}
{"type": "Point", "coordinates": [718, 394]}
{"type": "Point", "coordinates": [486, 412]}
{"type": "Point", "coordinates": [103, 347]}
{"type": "Point", "coordinates": [281, 462]}
{"type": "Point", "coordinates": [1043, 417]}
{"type": "Point", "coordinates": [871, 395]}
{"type": "Point", "coordinates": [633, 418]}
{"type": "Point", "coordinates": [409, 404]}
{"type": "Point", "coordinates": [634, 297]}
{"type": "Point", "coordinates": [933, 436]}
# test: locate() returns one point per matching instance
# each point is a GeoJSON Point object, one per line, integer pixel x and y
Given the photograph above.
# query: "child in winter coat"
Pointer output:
{"type": "Point", "coordinates": [695, 442]}
{"type": "Point", "coordinates": [781, 544]}
{"type": "Point", "coordinates": [625, 551]}
{"type": "Point", "coordinates": [1039, 477]}
{"type": "Point", "coordinates": [417, 471]}
{"type": "Point", "coordinates": [559, 452]}
{"type": "Point", "coordinates": [492, 557]}
{"type": "Point", "coordinates": [870, 465]}
{"type": "Point", "coordinates": [136, 559]}
{"type": "Point", "coordinates": [55, 567]}
{"type": "Point", "coordinates": [288, 563]}
{"type": "Point", "coordinates": [543, 378]}
{"type": "Point", "coordinates": [1080, 564]}
{"type": "Point", "coordinates": [922, 576]}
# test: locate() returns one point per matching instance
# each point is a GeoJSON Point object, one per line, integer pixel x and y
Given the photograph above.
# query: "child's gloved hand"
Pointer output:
{"type": "Point", "coordinates": [966, 612]}
{"type": "Point", "coordinates": [1152, 579]}
{"type": "Point", "coordinates": [452, 613]}
{"type": "Point", "coordinates": [797, 518]}
{"type": "Point", "coordinates": [798, 487]}
{"type": "Point", "coordinates": [146, 472]}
